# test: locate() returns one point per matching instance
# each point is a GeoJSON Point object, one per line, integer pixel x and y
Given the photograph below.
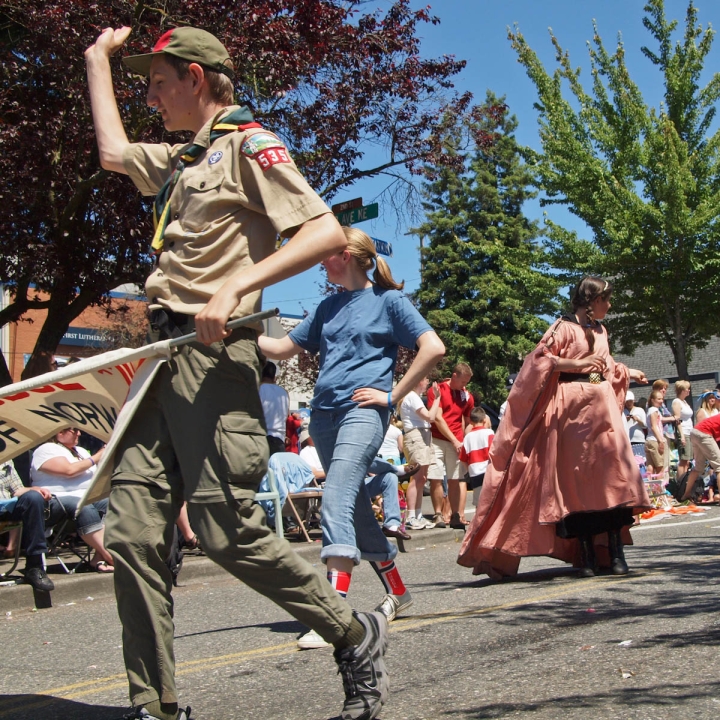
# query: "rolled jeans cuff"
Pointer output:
{"type": "Point", "coordinates": [352, 553]}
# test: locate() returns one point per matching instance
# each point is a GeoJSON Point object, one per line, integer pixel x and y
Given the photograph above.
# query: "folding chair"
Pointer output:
{"type": "Point", "coordinates": [6, 526]}
{"type": "Point", "coordinates": [313, 494]}
{"type": "Point", "coordinates": [273, 495]}
{"type": "Point", "coordinates": [64, 536]}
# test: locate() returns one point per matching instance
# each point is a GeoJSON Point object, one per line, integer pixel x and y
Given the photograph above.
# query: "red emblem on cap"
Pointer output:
{"type": "Point", "coordinates": [164, 41]}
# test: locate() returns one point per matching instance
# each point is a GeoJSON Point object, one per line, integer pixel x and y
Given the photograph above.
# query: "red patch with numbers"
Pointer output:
{"type": "Point", "coordinates": [272, 156]}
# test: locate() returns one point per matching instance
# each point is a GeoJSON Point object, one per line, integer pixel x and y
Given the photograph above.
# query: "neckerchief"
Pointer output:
{"type": "Point", "coordinates": [240, 119]}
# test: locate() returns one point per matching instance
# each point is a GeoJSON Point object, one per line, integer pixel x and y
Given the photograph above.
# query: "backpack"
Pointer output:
{"type": "Point", "coordinates": [677, 487]}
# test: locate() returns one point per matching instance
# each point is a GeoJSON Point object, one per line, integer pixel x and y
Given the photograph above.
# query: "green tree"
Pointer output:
{"type": "Point", "coordinates": [645, 180]}
{"type": "Point", "coordinates": [485, 280]}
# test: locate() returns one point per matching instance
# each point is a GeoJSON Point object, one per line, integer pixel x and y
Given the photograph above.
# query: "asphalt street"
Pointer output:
{"type": "Point", "coordinates": [545, 645]}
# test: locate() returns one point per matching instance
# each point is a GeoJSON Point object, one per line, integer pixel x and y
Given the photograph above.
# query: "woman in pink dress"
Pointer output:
{"type": "Point", "coordinates": [562, 480]}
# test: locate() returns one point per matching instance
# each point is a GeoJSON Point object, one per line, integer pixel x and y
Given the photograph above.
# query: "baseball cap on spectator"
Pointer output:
{"type": "Point", "coordinates": [511, 380]}
{"type": "Point", "coordinates": [304, 436]}
{"type": "Point", "coordinates": [187, 43]}
{"type": "Point", "coordinates": [629, 395]}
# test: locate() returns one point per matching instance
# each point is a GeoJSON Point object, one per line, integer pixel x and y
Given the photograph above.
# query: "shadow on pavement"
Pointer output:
{"type": "Point", "coordinates": [47, 707]}
{"type": "Point", "coordinates": [652, 699]}
{"type": "Point", "coordinates": [283, 626]}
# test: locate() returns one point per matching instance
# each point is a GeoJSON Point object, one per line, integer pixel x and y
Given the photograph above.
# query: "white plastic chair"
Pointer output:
{"type": "Point", "coordinates": [274, 496]}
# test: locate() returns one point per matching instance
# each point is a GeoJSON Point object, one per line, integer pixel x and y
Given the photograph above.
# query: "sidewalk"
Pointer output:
{"type": "Point", "coordinates": [89, 586]}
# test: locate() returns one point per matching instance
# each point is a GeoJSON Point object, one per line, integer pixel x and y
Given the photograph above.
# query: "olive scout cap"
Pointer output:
{"type": "Point", "coordinates": [187, 43]}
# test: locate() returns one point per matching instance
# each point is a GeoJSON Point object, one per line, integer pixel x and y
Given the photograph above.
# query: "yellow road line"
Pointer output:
{"type": "Point", "coordinates": [187, 667]}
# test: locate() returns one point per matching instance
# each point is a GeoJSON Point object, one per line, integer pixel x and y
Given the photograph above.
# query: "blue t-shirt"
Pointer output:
{"type": "Point", "coordinates": [357, 334]}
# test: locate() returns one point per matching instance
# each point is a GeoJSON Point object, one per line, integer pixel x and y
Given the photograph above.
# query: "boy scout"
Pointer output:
{"type": "Point", "coordinates": [220, 203]}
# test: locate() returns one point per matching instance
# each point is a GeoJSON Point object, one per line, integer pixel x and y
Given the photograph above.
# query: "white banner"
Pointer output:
{"type": "Point", "coordinates": [97, 395]}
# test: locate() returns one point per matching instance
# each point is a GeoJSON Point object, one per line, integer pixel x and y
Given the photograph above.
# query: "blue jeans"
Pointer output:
{"type": "Point", "coordinates": [385, 483]}
{"type": "Point", "coordinates": [88, 520]}
{"type": "Point", "coordinates": [30, 511]}
{"type": "Point", "coordinates": [347, 442]}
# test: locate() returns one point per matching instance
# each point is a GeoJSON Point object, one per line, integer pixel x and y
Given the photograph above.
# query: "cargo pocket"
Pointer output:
{"type": "Point", "coordinates": [243, 449]}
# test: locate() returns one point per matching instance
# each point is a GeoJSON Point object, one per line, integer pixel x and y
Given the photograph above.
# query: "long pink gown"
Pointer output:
{"type": "Point", "coordinates": [561, 448]}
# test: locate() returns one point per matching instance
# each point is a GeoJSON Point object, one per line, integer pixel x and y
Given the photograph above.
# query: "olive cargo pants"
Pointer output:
{"type": "Point", "coordinates": [198, 435]}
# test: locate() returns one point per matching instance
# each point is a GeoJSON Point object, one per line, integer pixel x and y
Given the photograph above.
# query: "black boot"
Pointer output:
{"type": "Point", "coordinates": [618, 566]}
{"type": "Point", "coordinates": [587, 556]}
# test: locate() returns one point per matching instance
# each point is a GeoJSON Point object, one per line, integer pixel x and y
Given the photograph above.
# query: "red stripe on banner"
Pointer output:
{"type": "Point", "coordinates": [44, 390]}
{"type": "Point", "coordinates": [122, 369]}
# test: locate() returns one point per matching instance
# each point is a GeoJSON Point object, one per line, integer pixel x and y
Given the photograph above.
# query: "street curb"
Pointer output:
{"type": "Point", "coordinates": [90, 586]}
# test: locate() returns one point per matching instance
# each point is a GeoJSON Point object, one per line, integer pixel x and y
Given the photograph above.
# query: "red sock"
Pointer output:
{"type": "Point", "coordinates": [390, 577]}
{"type": "Point", "coordinates": [340, 581]}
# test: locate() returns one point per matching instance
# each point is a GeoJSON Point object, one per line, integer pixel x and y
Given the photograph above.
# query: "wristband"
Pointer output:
{"type": "Point", "coordinates": [91, 460]}
{"type": "Point", "coordinates": [390, 403]}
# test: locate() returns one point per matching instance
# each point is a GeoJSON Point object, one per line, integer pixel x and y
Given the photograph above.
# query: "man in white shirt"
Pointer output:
{"type": "Point", "coordinates": [310, 455]}
{"type": "Point", "coordinates": [276, 407]}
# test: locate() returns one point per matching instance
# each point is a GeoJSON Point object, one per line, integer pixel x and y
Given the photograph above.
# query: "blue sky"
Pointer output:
{"type": "Point", "coordinates": [476, 31]}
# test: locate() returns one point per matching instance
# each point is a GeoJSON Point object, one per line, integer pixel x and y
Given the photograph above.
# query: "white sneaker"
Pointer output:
{"type": "Point", "coordinates": [426, 523]}
{"type": "Point", "coordinates": [311, 641]}
{"type": "Point", "coordinates": [415, 524]}
{"type": "Point", "coordinates": [392, 605]}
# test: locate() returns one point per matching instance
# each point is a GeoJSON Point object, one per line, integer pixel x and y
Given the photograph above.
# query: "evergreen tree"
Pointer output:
{"type": "Point", "coordinates": [484, 281]}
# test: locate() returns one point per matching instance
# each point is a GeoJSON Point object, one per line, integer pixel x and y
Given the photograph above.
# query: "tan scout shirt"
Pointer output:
{"type": "Point", "coordinates": [227, 210]}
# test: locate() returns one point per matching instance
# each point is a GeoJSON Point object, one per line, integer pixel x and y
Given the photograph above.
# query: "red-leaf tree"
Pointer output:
{"type": "Point", "coordinates": [333, 81]}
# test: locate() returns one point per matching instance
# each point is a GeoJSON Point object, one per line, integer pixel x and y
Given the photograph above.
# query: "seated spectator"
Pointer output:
{"type": "Point", "coordinates": [26, 505]}
{"type": "Point", "coordinates": [310, 455]}
{"type": "Point", "coordinates": [66, 471]}
{"type": "Point", "coordinates": [383, 480]}
{"type": "Point", "coordinates": [292, 474]}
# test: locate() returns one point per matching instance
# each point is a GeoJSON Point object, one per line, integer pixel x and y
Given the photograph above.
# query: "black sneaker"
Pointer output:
{"type": "Point", "coordinates": [140, 713]}
{"type": "Point", "coordinates": [38, 578]}
{"type": "Point", "coordinates": [365, 678]}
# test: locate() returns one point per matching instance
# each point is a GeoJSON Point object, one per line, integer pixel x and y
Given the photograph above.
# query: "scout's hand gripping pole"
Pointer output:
{"type": "Point", "coordinates": [240, 322]}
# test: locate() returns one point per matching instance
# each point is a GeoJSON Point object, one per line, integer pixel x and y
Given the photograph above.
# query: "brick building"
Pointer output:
{"type": "Point", "coordinates": [91, 333]}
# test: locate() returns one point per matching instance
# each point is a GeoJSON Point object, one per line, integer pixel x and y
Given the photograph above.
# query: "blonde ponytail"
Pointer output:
{"type": "Point", "coordinates": [362, 249]}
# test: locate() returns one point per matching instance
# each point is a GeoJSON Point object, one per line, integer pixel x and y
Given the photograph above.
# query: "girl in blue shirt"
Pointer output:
{"type": "Point", "coordinates": [357, 333]}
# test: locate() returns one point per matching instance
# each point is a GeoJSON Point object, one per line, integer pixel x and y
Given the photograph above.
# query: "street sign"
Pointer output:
{"type": "Point", "coordinates": [382, 247]}
{"type": "Point", "coordinates": [347, 205]}
{"type": "Point", "coordinates": [356, 215]}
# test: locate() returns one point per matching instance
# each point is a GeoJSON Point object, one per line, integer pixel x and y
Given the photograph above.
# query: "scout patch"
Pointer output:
{"type": "Point", "coordinates": [259, 141]}
{"type": "Point", "coordinates": [215, 157]}
{"type": "Point", "coordinates": [265, 149]}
